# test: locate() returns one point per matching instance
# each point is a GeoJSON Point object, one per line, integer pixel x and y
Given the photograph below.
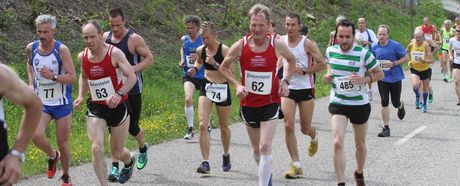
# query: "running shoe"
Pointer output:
{"type": "Point", "coordinates": [417, 104]}
{"type": "Point", "coordinates": [359, 179]}
{"type": "Point", "coordinates": [142, 158]}
{"type": "Point", "coordinates": [114, 174]}
{"type": "Point", "coordinates": [65, 180]}
{"type": "Point", "coordinates": [401, 111]}
{"type": "Point", "coordinates": [52, 162]}
{"type": "Point", "coordinates": [204, 168]}
{"type": "Point", "coordinates": [385, 132]}
{"type": "Point", "coordinates": [293, 172]}
{"type": "Point", "coordinates": [424, 108]}
{"type": "Point", "coordinates": [313, 148]}
{"type": "Point", "coordinates": [226, 164]}
{"type": "Point", "coordinates": [209, 130]}
{"type": "Point", "coordinates": [445, 78]}
{"type": "Point", "coordinates": [430, 97]}
{"type": "Point", "coordinates": [451, 79]}
{"type": "Point", "coordinates": [189, 134]}
{"type": "Point", "coordinates": [369, 93]}
{"type": "Point", "coordinates": [126, 173]}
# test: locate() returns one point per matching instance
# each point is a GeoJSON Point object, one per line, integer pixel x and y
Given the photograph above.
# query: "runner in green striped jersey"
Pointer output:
{"type": "Point", "coordinates": [347, 65]}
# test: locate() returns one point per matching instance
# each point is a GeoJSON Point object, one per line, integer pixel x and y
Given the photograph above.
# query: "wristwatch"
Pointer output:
{"type": "Point", "coordinates": [120, 93]}
{"type": "Point", "coordinates": [18, 154]}
{"type": "Point", "coordinates": [286, 80]}
{"type": "Point", "coordinates": [55, 76]}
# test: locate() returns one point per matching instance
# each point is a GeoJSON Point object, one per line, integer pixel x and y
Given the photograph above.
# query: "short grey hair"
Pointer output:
{"type": "Point", "coordinates": [45, 19]}
{"type": "Point", "coordinates": [447, 21]}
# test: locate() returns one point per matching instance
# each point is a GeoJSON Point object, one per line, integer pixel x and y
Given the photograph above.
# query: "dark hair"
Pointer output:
{"type": "Point", "coordinates": [95, 24]}
{"type": "Point", "coordinates": [304, 30]}
{"type": "Point", "coordinates": [345, 23]}
{"type": "Point", "coordinates": [115, 12]}
{"type": "Point", "coordinates": [193, 19]}
{"type": "Point", "coordinates": [294, 15]}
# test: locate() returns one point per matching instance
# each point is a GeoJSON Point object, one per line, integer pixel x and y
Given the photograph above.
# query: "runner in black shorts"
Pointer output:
{"type": "Point", "coordinates": [140, 57]}
{"type": "Point", "coordinates": [214, 89]}
{"type": "Point", "coordinates": [17, 92]}
{"type": "Point", "coordinates": [107, 107]}
{"type": "Point", "coordinates": [189, 56]}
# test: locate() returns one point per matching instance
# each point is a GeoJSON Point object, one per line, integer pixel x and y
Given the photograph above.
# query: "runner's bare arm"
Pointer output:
{"type": "Point", "coordinates": [233, 54]}
{"type": "Point", "coordinates": [119, 60]}
{"type": "Point", "coordinates": [70, 76]}
{"type": "Point", "coordinates": [82, 81]}
{"type": "Point", "coordinates": [225, 50]}
{"type": "Point", "coordinates": [19, 93]}
{"type": "Point", "coordinates": [30, 74]}
{"type": "Point", "coordinates": [313, 49]}
{"type": "Point", "coordinates": [143, 50]}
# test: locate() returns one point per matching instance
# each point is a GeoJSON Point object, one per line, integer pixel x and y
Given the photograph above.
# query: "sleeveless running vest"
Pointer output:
{"type": "Point", "coordinates": [418, 51]}
{"type": "Point", "coordinates": [103, 78]}
{"type": "Point", "coordinates": [259, 75]}
{"type": "Point", "coordinates": [217, 57]}
{"type": "Point", "coordinates": [456, 48]}
{"type": "Point", "coordinates": [303, 60]}
{"type": "Point", "coordinates": [427, 32]}
{"type": "Point", "coordinates": [446, 35]}
{"type": "Point", "coordinates": [133, 59]}
{"type": "Point", "coordinates": [3, 133]}
{"type": "Point", "coordinates": [50, 92]}
{"type": "Point", "coordinates": [189, 48]}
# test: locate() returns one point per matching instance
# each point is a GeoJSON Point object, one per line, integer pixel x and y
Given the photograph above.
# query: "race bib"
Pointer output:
{"type": "Point", "coordinates": [101, 89]}
{"type": "Point", "coordinates": [428, 37]}
{"type": "Point", "coordinates": [344, 85]}
{"type": "Point", "coordinates": [258, 82]}
{"type": "Point", "coordinates": [457, 56]}
{"type": "Point", "coordinates": [415, 55]}
{"type": "Point", "coordinates": [383, 63]}
{"type": "Point", "coordinates": [49, 90]}
{"type": "Point", "coordinates": [216, 92]}
{"type": "Point", "coordinates": [190, 62]}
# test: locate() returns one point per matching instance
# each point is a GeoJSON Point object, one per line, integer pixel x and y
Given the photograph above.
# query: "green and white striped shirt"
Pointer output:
{"type": "Point", "coordinates": [358, 60]}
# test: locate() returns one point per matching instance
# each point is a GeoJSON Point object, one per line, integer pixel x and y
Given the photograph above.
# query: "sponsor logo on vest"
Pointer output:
{"type": "Point", "coordinates": [258, 61]}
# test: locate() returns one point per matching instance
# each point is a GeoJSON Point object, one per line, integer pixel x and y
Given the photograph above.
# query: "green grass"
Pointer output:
{"type": "Point", "coordinates": [162, 115]}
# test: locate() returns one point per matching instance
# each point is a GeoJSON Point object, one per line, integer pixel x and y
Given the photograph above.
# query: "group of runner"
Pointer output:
{"type": "Point", "coordinates": [277, 77]}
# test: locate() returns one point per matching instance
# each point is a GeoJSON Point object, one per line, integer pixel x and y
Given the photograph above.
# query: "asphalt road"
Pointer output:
{"type": "Point", "coordinates": [430, 157]}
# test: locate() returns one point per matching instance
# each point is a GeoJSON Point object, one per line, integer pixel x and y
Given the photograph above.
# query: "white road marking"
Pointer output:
{"type": "Point", "coordinates": [409, 136]}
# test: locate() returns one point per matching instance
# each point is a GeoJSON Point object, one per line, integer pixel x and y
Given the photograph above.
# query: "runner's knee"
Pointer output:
{"type": "Point", "coordinates": [338, 145]}
{"type": "Point", "coordinates": [289, 127]}
{"type": "Point", "coordinates": [265, 148]}
{"type": "Point", "coordinates": [134, 129]}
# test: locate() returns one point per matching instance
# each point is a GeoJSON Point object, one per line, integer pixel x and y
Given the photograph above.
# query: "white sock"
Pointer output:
{"type": "Point", "coordinates": [265, 169]}
{"type": "Point", "coordinates": [256, 158]}
{"type": "Point", "coordinates": [189, 115]}
{"type": "Point", "coordinates": [296, 164]}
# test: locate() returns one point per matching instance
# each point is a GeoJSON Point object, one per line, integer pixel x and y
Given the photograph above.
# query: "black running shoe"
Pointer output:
{"type": "Point", "coordinates": [226, 165]}
{"type": "Point", "coordinates": [126, 173]}
{"type": "Point", "coordinates": [359, 178]}
{"type": "Point", "coordinates": [401, 111]}
{"type": "Point", "coordinates": [385, 132]}
{"type": "Point", "coordinates": [204, 168]}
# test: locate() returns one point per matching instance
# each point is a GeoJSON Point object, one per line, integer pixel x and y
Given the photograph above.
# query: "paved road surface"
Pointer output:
{"type": "Point", "coordinates": [430, 157]}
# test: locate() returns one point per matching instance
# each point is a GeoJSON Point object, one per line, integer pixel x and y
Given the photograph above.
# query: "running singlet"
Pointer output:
{"type": "Point", "coordinates": [188, 48]}
{"type": "Point", "coordinates": [418, 51]}
{"type": "Point", "coordinates": [217, 57]}
{"type": "Point", "coordinates": [356, 61]}
{"type": "Point", "coordinates": [103, 78]}
{"type": "Point", "coordinates": [3, 134]}
{"type": "Point", "coordinates": [259, 75]}
{"type": "Point", "coordinates": [456, 48]}
{"type": "Point", "coordinates": [133, 59]}
{"type": "Point", "coordinates": [427, 32]}
{"type": "Point", "coordinates": [50, 92]}
{"type": "Point", "coordinates": [445, 38]}
{"type": "Point", "coordinates": [298, 81]}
